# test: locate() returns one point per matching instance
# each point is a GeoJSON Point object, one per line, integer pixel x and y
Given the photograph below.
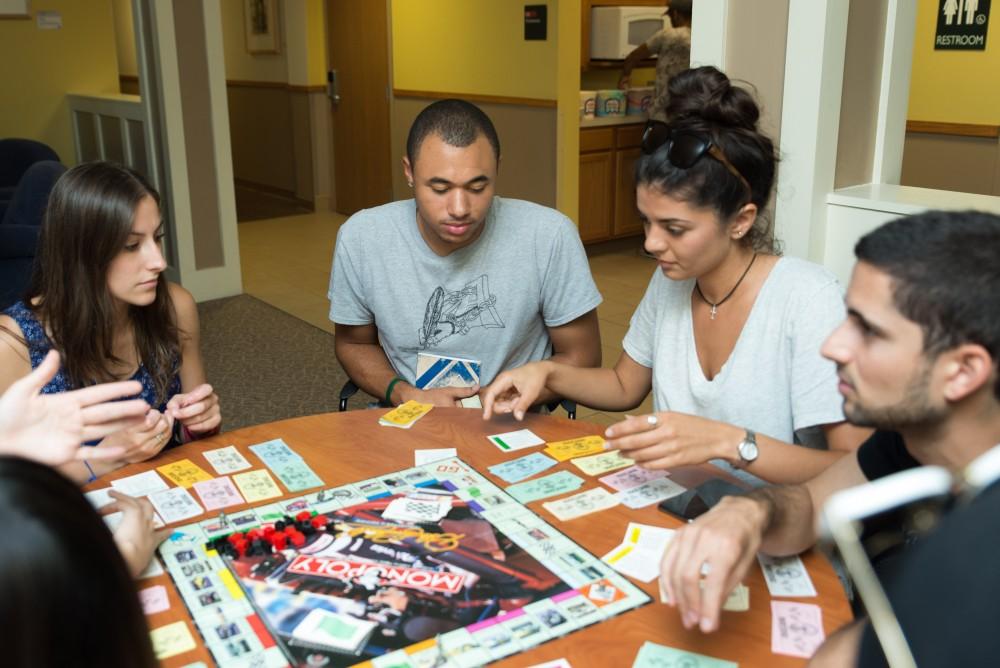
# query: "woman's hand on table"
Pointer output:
{"type": "Point", "coordinates": [515, 391]}
{"type": "Point", "coordinates": [145, 441]}
{"type": "Point", "coordinates": [666, 440]}
{"type": "Point", "coordinates": [136, 536]}
{"type": "Point", "coordinates": [727, 539]}
{"type": "Point", "coordinates": [198, 410]}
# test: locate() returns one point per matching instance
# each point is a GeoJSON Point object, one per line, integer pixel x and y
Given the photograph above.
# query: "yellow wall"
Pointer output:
{"type": "Point", "coordinates": [125, 38]}
{"type": "Point", "coordinates": [954, 86]}
{"type": "Point", "coordinates": [78, 58]}
{"type": "Point", "coordinates": [472, 46]}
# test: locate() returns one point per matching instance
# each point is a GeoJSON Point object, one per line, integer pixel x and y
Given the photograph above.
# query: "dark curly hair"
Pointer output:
{"type": "Point", "coordinates": [704, 100]}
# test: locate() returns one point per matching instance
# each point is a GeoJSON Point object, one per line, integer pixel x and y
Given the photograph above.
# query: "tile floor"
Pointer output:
{"type": "Point", "coordinates": [286, 263]}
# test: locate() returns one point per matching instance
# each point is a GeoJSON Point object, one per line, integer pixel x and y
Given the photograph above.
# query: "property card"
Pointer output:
{"type": "Point", "coordinates": [786, 576]}
{"type": "Point", "coordinates": [274, 453]}
{"type": "Point", "coordinates": [737, 601]}
{"type": "Point", "coordinates": [640, 552]}
{"type": "Point", "coordinates": [297, 476]}
{"type": "Point", "coordinates": [404, 415]}
{"type": "Point", "coordinates": [99, 497]}
{"type": "Point", "coordinates": [421, 457]}
{"type": "Point", "coordinates": [796, 628]}
{"type": "Point", "coordinates": [140, 484]}
{"type": "Point", "coordinates": [184, 473]}
{"type": "Point", "coordinates": [649, 493]}
{"type": "Point", "coordinates": [154, 599]}
{"type": "Point", "coordinates": [631, 477]}
{"type": "Point", "coordinates": [575, 447]}
{"type": "Point", "coordinates": [522, 468]}
{"type": "Point", "coordinates": [256, 485]}
{"type": "Point", "coordinates": [553, 484]}
{"type": "Point", "coordinates": [218, 493]}
{"type": "Point", "coordinates": [581, 504]}
{"type": "Point", "coordinates": [440, 371]}
{"type": "Point", "coordinates": [599, 464]}
{"type": "Point", "coordinates": [226, 460]}
{"type": "Point", "coordinates": [175, 504]}
{"type": "Point", "coordinates": [171, 640]}
{"type": "Point", "coordinates": [515, 440]}
{"type": "Point", "coordinates": [153, 568]}
{"type": "Point", "coordinates": [652, 655]}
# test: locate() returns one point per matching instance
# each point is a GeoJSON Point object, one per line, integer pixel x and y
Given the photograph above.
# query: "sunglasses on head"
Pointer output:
{"type": "Point", "coordinates": [685, 147]}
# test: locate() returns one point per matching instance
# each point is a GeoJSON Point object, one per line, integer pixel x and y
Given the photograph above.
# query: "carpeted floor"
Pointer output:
{"type": "Point", "coordinates": [266, 365]}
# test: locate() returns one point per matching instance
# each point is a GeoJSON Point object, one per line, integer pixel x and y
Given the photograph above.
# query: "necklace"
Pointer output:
{"type": "Point", "coordinates": [716, 305]}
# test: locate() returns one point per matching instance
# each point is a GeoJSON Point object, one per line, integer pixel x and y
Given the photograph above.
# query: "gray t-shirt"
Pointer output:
{"type": "Point", "coordinates": [775, 381]}
{"type": "Point", "coordinates": [490, 301]}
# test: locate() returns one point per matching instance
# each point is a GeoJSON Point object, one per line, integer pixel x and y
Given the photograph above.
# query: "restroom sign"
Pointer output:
{"type": "Point", "coordinates": [962, 25]}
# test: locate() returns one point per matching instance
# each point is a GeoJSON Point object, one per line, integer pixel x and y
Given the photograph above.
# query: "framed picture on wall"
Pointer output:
{"type": "Point", "coordinates": [14, 9]}
{"type": "Point", "coordinates": [260, 20]}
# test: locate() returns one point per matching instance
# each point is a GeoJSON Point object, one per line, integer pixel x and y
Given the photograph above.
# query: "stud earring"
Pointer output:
{"type": "Point", "coordinates": [409, 183]}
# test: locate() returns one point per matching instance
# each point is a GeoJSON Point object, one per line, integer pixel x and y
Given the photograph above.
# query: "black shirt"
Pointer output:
{"type": "Point", "coordinates": [884, 453]}
{"type": "Point", "coordinates": [946, 593]}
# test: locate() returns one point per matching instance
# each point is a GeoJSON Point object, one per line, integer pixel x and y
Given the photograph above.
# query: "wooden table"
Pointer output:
{"type": "Point", "coordinates": [347, 447]}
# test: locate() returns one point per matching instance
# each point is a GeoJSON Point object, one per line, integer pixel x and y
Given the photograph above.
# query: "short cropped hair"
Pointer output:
{"type": "Point", "coordinates": [945, 271]}
{"type": "Point", "coordinates": [457, 122]}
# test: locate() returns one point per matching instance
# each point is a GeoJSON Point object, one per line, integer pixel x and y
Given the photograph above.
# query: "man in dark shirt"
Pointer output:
{"type": "Point", "coordinates": [917, 360]}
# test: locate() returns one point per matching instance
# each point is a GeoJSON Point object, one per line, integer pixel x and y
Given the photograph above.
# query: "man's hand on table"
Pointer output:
{"type": "Point", "coordinates": [726, 538]}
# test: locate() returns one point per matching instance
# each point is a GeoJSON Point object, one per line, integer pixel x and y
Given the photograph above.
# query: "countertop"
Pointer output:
{"type": "Point", "coordinates": [604, 121]}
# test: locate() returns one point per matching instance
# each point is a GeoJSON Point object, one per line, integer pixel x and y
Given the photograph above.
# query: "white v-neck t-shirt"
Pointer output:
{"type": "Point", "coordinates": [775, 381]}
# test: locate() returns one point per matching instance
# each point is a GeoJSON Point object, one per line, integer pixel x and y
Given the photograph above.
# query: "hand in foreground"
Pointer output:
{"type": "Point", "coordinates": [515, 391]}
{"type": "Point", "coordinates": [665, 440]}
{"type": "Point", "coordinates": [137, 444]}
{"type": "Point", "coordinates": [50, 428]}
{"type": "Point", "coordinates": [446, 397]}
{"type": "Point", "coordinates": [198, 410]}
{"type": "Point", "coordinates": [727, 539]}
{"type": "Point", "coordinates": [135, 536]}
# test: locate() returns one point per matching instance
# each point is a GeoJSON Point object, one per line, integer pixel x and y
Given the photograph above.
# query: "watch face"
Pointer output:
{"type": "Point", "coordinates": [748, 451]}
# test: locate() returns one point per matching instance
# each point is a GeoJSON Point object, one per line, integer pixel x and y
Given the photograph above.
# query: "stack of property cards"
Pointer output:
{"type": "Point", "coordinates": [596, 465]}
{"type": "Point", "coordinates": [441, 371]}
{"type": "Point", "coordinates": [737, 601]}
{"type": "Point", "coordinates": [290, 468]}
{"type": "Point", "coordinates": [227, 460]}
{"type": "Point", "coordinates": [581, 504]}
{"type": "Point", "coordinates": [640, 552]}
{"type": "Point", "coordinates": [575, 447]}
{"type": "Point", "coordinates": [515, 440]}
{"type": "Point", "coordinates": [652, 655]}
{"type": "Point", "coordinates": [553, 484]}
{"type": "Point", "coordinates": [522, 468]}
{"type": "Point", "coordinates": [404, 415]}
{"type": "Point", "coordinates": [786, 576]}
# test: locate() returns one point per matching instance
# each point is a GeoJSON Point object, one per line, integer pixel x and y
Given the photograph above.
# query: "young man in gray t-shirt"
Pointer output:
{"type": "Point", "coordinates": [458, 272]}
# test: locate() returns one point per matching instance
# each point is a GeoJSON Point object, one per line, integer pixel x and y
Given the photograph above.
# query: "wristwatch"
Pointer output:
{"type": "Point", "coordinates": [747, 449]}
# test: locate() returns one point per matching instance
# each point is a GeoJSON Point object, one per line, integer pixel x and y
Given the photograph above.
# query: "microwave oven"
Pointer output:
{"type": "Point", "coordinates": [616, 31]}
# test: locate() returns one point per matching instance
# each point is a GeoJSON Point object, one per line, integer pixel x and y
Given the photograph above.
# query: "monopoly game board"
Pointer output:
{"type": "Point", "coordinates": [430, 566]}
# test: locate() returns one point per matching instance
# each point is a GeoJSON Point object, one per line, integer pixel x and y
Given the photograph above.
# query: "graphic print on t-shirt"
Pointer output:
{"type": "Point", "coordinates": [457, 312]}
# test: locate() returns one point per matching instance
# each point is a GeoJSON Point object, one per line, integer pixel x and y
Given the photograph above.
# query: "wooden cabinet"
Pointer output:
{"type": "Point", "coordinates": [607, 184]}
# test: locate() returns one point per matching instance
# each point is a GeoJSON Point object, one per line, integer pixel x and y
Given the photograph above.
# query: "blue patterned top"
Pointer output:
{"type": "Point", "coordinates": [39, 346]}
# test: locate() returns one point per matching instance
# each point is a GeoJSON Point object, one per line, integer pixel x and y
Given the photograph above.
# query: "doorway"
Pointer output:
{"type": "Point", "coordinates": [358, 74]}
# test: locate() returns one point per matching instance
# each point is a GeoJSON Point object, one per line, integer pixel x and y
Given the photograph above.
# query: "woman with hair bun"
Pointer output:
{"type": "Point", "coordinates": [99, 297]}
{"type": "Point", "coordinates": [728, 334]}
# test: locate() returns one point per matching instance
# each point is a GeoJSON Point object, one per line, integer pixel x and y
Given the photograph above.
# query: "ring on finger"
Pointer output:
{"type": "Point", "coordinates": [652, 420]}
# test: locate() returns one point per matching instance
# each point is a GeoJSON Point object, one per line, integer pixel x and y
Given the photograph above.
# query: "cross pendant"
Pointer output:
{"type": "Point", "coordinates": [713, 311]}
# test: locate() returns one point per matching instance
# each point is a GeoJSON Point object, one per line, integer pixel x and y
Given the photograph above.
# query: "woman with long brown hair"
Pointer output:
{"type": "Point", "coordinates": [98, 296]}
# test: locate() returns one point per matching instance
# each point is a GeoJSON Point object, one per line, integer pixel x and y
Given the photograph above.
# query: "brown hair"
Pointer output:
{"type": "Point", "coordinates": [86, 225]}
